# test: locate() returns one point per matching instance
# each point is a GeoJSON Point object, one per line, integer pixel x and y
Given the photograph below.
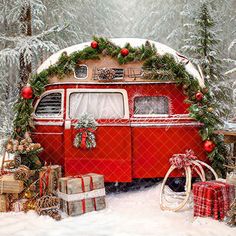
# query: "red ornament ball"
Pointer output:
{"type": "Point", "coordinates": [27, 92]}
{"type": "Point", "coordinates": [124, 52]}
{"type": "Point", "coordinates": [199, 96]}
{"type": "Point", "coordinates": [94, 44]}
{"type": "Point", "coordinates": [209, 146]}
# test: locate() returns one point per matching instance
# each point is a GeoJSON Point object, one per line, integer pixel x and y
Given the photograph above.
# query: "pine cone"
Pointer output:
{"type": "Point", "coordinates": [22, 173]}
{"type": "Point", "coordinates": [52, 213]}
{"type": "Point", "coordinates": [106, 74]}
{"type": "Point", "coordinates": [17, 161]}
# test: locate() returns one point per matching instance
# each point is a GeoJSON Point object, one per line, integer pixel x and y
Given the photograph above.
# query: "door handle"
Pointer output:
{"type": "Point", "coordinates": [67, 124]}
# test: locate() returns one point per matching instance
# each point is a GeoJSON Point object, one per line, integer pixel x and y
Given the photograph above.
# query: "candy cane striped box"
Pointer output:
{"type": "Point", "coordinates": [81, 194]}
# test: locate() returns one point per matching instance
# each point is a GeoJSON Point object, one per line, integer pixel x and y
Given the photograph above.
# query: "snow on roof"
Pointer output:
{"type": "Point", "coordinates": [134, 42]}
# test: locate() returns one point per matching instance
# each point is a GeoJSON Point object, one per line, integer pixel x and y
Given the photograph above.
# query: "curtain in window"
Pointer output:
{"type": "Point", "coordinates": [99, 105]}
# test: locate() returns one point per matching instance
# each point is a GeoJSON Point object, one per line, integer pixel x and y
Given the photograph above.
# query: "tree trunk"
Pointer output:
{"type": "Point", "coordinates": [26, 30]}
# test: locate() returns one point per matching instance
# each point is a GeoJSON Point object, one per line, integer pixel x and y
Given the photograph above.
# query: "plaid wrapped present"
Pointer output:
{"type": "Point", "coordinates": [81, 194]}
{"type": "Point", "coordinates": [212, 198]}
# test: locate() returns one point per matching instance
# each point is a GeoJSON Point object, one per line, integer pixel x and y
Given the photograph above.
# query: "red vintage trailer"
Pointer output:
{"type": "Point", "coordinates": [141, 123]}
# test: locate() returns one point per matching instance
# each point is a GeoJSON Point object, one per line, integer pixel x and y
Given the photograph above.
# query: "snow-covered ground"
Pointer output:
{"type": "Point", "coordinates": [134, 213]}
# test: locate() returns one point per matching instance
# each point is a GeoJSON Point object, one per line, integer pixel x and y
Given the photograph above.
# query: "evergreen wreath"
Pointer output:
{"type": "Point", "coordinates": [85, 138]}
{"type": "Point", "coordinates": [158, 68]}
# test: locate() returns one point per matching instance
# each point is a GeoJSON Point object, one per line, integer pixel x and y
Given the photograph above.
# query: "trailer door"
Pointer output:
{"type": "Point", "coordinates": [112, 155]}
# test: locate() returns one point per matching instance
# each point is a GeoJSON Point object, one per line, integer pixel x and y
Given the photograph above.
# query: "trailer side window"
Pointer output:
{"type": "Point", "coordinates": [49, 105]}
{"type": "Point", "coordinates": [81, 72]}
{"type": "Point", "coordinates": [101, 105]}
{"type": "Point", "coordinates": [151, 105]}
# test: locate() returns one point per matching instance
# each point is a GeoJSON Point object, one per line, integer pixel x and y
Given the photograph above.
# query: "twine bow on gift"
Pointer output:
{"type": "Point", "coordinates": [183, 160]}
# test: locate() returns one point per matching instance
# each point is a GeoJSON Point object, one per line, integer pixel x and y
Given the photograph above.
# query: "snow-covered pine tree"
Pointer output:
{"type": "Point", "coordinates": [23, 39]}
{"type": "Point", "coordinates": [232, 48]}
{"type": "Point", "coordinates": [202, 48]}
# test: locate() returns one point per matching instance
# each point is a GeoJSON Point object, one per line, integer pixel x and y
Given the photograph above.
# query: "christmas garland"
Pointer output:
{"type": "Point", "coordinates": [157, 68]}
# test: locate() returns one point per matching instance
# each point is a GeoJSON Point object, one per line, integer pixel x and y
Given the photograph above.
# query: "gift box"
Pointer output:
{"type": "Point", "coordinates": [82, 194]}
{"type": "Point", "coordinates": [8, 184]}
{"type": "Point", "coordinates": [48, 179]}
{"type": "Point", "coordinates": [212, 198]}
{"type": "Point", "coordinates": [4, 204]}
{"type": "Point", "coordinates": [6, 201]}
{"type": "Point", "coordinates": [18, 205]}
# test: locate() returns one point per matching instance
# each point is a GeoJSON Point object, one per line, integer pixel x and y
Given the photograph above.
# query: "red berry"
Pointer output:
{"type": "Point", "coordinates": [124, 52]}
{"type": "Point", "coordinates": [94, 44]}
{"type": "Point", "coordinates": [27, 92]}
{"type": "Point", "coordinates": [209, 146]}
{"type": "Point", "coordinates": [199, 96]}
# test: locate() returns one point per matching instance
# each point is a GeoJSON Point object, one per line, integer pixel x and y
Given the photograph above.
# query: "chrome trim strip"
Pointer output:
{"type": "Point", "coordinates": [49, 123]}
{"type": "Point", "coordinates": [165, 124]}
{"type": "Point", "coordinates": [113, 124]}
{"type": "Point", "coordinates": [35, 133]}
{"type": "Point", "coordinates": [151, 124]}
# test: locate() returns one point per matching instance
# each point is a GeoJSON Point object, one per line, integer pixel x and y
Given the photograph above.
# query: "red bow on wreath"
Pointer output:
{"type": "Point", "coordinates": [84, 136]}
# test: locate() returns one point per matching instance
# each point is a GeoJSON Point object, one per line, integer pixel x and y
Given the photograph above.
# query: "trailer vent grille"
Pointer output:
{"type": "Point", "coordinates": [49, 105]}
{"type": "Point", "coordinates": [108, 73]}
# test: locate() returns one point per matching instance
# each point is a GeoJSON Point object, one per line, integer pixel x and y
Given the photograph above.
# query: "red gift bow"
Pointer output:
{"type": "Point", "coordinates": [183, 160]}
{"type": "Point", "coordinates": [44, 181]}
{"type": "Point", "coordinates": [84, 136]}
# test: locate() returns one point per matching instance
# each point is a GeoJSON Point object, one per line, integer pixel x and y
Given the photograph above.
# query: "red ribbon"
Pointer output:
{"type": "Point", "coordinates": [44, 181]}
{"type": "Point", "coordinates": [84, 136]}
{"type": "Point", "coordinates": [83, 189]}
{"type": "Point", "coordinates": [183, 160]}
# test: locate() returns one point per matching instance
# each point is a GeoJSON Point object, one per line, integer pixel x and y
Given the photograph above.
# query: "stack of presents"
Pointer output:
{"type": "Point", "coordinates": [49, 191]}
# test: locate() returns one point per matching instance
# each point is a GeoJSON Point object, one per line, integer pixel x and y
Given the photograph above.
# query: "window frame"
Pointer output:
{"type": "Point", "coordinates": [55, 117]}
{"type": "Point", "coordinates": [151, 115]}
{"type": "Point", "coordinates": [121, 91]}
{"type": "Point", "coordinates": [79, 78]}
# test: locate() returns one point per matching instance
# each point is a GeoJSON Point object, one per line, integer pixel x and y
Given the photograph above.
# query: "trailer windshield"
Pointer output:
{"type": "Point", "coordinates": [101, 105]}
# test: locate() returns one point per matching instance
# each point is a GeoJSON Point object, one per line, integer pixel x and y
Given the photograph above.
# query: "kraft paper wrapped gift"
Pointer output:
{"type": "Point", "coordinates": [8, 184]}
{"type": "Point", "coordinates": [82, 194]}
{"type": "Point", "coordinates": [48, 178]}
{"type": "Point", "coordinates": [6, 201]}
{"type": "Point", "coordinates": [4, 204]}
{"type": "Point", "coordinates": [18, 205]}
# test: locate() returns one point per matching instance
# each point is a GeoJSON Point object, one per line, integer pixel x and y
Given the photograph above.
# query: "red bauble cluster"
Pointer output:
{"type": "Point", "coordinates": [27, 92]}
{"type": "Point", "coordinates": [94, 44]}
{"type": "Point", "coordinates": [199, 96]}
{"type": "Point", "coordinates": [209, 146]}
{"type": "Point", "coordinates": [124, 52]}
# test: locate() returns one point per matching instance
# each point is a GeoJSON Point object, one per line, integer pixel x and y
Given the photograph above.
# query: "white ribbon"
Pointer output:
{"type": "Point", "coordinates": [80, 196]}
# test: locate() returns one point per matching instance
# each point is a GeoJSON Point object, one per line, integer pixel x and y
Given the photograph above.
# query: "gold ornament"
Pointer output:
{"type": "Point", "coordinates": [210, 109]}
{"type": "Point", "coordinates": [28, 194]}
